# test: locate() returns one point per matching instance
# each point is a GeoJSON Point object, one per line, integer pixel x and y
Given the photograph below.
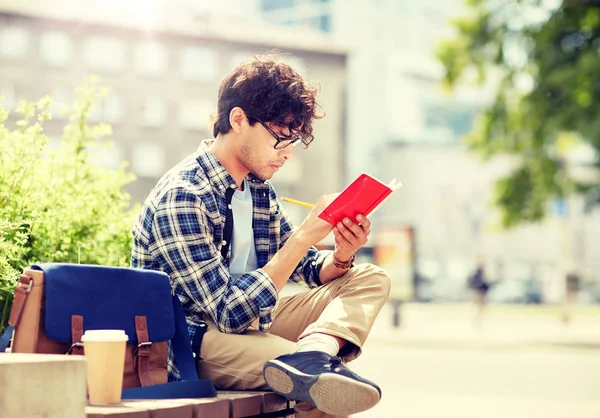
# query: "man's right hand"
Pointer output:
{"type": "Point", "coordinates": [314, 229]}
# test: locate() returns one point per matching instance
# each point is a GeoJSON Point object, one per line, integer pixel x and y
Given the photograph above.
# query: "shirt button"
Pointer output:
{"type": "Point", "coordinates": [233, 186]}
{"type": "Point", "coordinates": [229, 206]}
{"type": "Point", "coordinates": [223, 242]}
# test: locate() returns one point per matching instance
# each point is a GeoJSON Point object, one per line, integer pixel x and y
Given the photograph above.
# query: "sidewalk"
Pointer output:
{"type": "Point", "coordinates": [454, 325]}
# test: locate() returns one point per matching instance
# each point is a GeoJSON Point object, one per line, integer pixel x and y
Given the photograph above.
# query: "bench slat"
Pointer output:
{"type": "Point", "coordinates": [162, 408]}
{"type": "Point", "coordinates": [228, 404]}
{"type": "Point", "coordinates": [115, 412]}
{"type": "Point", "coordinates": [242, 404]}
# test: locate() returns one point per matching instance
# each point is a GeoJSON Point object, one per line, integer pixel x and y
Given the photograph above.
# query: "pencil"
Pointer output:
{"type": "Point", "coordinates": [298, 202]}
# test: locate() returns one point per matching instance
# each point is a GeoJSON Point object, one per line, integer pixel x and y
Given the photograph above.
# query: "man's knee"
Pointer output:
{"type": "Point", "coordinates": [376, 278]}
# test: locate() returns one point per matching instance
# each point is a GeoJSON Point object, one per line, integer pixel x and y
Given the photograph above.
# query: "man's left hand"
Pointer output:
{"type": "Point", "coordinates": [349, 237]}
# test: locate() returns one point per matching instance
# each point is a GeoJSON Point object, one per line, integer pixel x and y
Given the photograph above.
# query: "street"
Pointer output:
{"type": "Point", "coordinates": [421, 382]}
{"type": "Point", "coordinates": [420, 378]}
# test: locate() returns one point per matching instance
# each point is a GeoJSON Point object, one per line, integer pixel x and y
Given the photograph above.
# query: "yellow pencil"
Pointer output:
{"type": "Point", "coordinates": [297, 202]}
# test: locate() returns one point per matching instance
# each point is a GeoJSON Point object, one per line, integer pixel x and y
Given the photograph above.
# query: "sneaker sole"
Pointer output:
{"type": "Point", "coordinates": [328, 392]}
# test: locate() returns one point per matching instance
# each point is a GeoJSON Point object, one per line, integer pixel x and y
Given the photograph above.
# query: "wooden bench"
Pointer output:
{"type": "Point", "coordinates": [228, 404]}
{"type": "Point", "coordinates": [56, 389]}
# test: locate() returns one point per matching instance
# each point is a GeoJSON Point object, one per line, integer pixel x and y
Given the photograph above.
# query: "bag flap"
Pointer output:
{"type": "Point", "coordinates": [107, 298]}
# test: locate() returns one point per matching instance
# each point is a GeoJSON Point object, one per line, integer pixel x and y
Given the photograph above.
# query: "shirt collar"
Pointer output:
{"type": "Point", "coordinates": [215, 171]}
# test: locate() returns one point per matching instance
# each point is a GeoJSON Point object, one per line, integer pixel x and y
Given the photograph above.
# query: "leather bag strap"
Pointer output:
{"type": "Point", "coordinates": [142, 353]}
{"type": "Point", "coordinates": [22, 289]}
{"type": "Point", "coordinates": [190, 386]}
{"type": "Point", "coordinates": [76, 334]}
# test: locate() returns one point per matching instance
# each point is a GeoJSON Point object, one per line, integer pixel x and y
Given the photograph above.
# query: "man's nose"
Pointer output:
{"type": "Point", "coordinates": [287, 152]}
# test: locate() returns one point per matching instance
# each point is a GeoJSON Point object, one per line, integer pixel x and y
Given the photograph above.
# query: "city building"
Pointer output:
{"type": "Point", "coordinates": [163, 69]}
{"type": "Point", "coordinates": [402, 124]}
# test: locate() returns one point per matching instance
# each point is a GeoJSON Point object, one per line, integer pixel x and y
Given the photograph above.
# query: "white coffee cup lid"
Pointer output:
{"type": "Point", "coordinates": [104, 335]}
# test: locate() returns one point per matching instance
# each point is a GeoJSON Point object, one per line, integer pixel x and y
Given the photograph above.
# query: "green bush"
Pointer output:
{"type": "Point", "coordinates": [55, 204]}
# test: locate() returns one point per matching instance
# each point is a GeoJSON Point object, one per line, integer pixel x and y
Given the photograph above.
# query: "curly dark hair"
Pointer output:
{"type": "Point", "coordinates": [268, 89]}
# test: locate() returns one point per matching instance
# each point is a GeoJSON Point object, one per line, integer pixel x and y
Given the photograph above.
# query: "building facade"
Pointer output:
{"type": "Point", "coordinates": [163, 85]}
{"type": "Point", "coordinates": [402, 124]}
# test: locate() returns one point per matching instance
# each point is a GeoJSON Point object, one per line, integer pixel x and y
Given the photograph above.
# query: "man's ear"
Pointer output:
{"type": "Point", "coordinates": [237, 119]}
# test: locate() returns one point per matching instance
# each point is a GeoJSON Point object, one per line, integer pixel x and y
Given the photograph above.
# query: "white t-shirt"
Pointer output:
{"type": "Point", "coordinates": [243, 253]}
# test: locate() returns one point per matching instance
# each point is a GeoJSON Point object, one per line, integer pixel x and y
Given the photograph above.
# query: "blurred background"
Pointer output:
{"type": "Point", "coordinates": [486, 111]}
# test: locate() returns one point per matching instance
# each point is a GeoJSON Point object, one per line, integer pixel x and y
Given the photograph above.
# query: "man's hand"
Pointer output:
{"type": "Point", "coordinates": [349, 237]}
{"type": "Point", "coordinates": [314, 229]}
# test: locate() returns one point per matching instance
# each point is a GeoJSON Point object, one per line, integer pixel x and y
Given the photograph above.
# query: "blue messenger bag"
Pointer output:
{"type": "Point", "coordinates": [55, 303]}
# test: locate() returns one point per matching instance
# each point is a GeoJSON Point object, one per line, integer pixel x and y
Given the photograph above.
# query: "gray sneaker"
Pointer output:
{"type": "Point", "coordinates": [322, 381]}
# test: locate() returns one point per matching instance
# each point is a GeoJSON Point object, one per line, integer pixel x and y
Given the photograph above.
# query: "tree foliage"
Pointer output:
{"type": "Point", "coordinates": [546, 60]}
{"type": "Point", "coordinates": [55, 204]}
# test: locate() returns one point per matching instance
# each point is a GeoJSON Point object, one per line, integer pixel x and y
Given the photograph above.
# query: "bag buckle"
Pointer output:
{"type": "Point", "coordinates": [77, 344]}
{"type": "Point", "coordinates": [29, 286]}
{"type": "Point", "coordinates": [143, 345]}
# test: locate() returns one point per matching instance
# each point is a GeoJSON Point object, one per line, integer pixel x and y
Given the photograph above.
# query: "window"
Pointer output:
{"type": "Point", "coordinates": [322, 22]}
{"type": "Point", "coordinates": [56, 48]}
{"type": "Point", "coordinates": [195, 114]}
{"type": "Point", "coordinates": [113, 108]}
{"type": "Point", "coordinates": [150, 59]}
{"type": "Point", "coordinates": [104, 53]}
{"type": "Point", "coordinates": [106, 156]}
{"type": "Point", "coordinates": [14, 42]}
{"type": "Point", "coordinates": [198, 64]}
{"type": "Point", "coordinates": [449, 121]}
{"type": "Point", "coordinates": [148, 160]}
{"type": "Point", "coordinates": [9, 94]}
{"type": "Point", "coordinates": [240, 57]}
{"type": "Point", "coordinates": [297, 64]}
{"type": "Point", "coordinates": [154, 113]}
{"type": "Point", "coordinates": [61, 100]}
{"type": "Point", "coordinates": [277, 4]}
{"type": "Point", "coordinates": [109, 109]}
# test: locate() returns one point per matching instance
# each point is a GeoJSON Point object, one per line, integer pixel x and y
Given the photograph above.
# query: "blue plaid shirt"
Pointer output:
{"type": "Point", "coordinates": [180, 231]}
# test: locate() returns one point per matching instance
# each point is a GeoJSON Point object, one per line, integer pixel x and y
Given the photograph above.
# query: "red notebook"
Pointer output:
{"type": "Point", "coordinates": [361, 197]}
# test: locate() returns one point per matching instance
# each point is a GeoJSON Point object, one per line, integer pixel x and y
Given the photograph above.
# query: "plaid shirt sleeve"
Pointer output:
{"type": "Point", "coordinates": [308, 270]}
{"type": "Point", "coordinates": [183, 241]}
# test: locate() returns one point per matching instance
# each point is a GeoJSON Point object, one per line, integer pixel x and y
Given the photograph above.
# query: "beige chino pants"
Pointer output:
{"type": "Point", "coordinates": [345, 307]}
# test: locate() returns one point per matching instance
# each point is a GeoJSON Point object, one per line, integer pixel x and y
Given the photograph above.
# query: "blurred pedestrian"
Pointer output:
{"type": "Point", "coordinates": [572, 288]}
{"type": "Point", "coordinates": [480, 285]}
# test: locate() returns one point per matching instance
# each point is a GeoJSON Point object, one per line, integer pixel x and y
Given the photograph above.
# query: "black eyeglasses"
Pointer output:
{"type": "Point", "coordinates": [284, 141]}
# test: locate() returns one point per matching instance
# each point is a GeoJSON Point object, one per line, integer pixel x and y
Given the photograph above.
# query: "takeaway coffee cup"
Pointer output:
{"type": "Point", "coordinates": [105, 360]}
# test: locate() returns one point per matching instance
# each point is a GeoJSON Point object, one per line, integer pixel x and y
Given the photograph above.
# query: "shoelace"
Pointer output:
{"type": "Point", "coordinates": [335, 361]}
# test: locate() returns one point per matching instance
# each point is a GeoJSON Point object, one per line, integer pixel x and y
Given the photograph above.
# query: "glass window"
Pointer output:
{"type": "Point", "coordinates": [14, 42]}
{"type": "Point", "coordinates": [277, 4]}
{"type": "Point", "coordinates": [450, 116]}
{"type": "Point", "coordinates": [195, 114]}
{"type": "Point", "coordinates": [198, 64]}
{"type": "Point", "coordinates": [113, 108]}
{"type": "Point", "coordinates": [148, 160]}
{"type": "Point", "coordinates": [61, 100]}
{"type": "Point", "coordinates": [56, 48]}
{"type": "Point", "coordinates": [297, 64]}
{"type": "Point", "coordinates": [239, 57]}
{"type": "Point", "coordinates": [150, 58]}
{"type": "Point", "coordinates": [154, 113]}
{"type": "Point", "coordinates": [104, 53]}
{"type": "Point", "coordinates": [9, 94]}
{"type": "Point", "coordinates": [106, 156]}
{"type": "Point", "coordinates": [109, 109]}
{"type": "Point", "coordinates": [323, 23]}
